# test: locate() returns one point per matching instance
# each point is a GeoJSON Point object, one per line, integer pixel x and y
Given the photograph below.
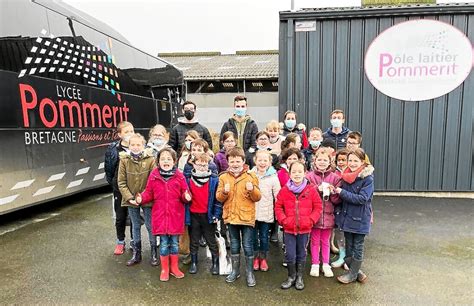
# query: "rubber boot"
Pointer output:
{"type": "Point", "coordinates": [235, 274]}
{"type": "Point", "coordinates": [340, 261]}
{"type": "Point", "coordinates": [274, 235]}
{"type": "Point", "coordinates": [263, 262]}
{"type": "Point", "coordinates": [194, 261]}
{"type": "Point", "coordinates": [251, 282]}
{"type": "Point", "coordinates": [299, 284]}
{"type": "Point", "coordinates": [215, 264]}
{"type": "Point", "coordinates": [136, 255]}
{"type": "Point", "coordinates": [351, 275]}
{"type": "Point", "coordinates": [174, 266]}
{"type": "Point", "coordinates": [291, 277]}
{"type": "Point", "coordinates": [361, 277]}
{"type": "Point", "coordinates": [154, 256]}
{"type": "Point", "coordinates": [334, 248]}
{"type": "Point", "coordinates": [256, 262]}
{"type": "Point", "coordinates": [165, 268]}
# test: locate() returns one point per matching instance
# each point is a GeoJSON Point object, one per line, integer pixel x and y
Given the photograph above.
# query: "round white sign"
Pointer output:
{"type": "Point", "coordinates": [418, 60]}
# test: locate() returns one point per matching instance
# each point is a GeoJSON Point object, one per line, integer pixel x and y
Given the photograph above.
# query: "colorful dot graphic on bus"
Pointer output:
{"type": "Point", "coordinates": [50, 54]}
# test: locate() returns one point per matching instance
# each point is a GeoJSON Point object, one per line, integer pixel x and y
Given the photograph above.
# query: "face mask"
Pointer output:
{"type": "Point", "coordinates": [189, 114]}
{"type": "Point", "coordinates": [158, 142]}
{"type": "Point", "coordinates": [240, 111]}
{"type": "Point", "coordinates": [136, 155]}
{"type": "Point", "coordinates": [315, 143]}
{"type": "Point", "coordinates": [187, 144]}
{"type": "Point", "coordinates": [337, 123]}
{"type": "Point", "coordinates": [126, 138]}
{"type": "Point", "coordinates": [290, 124]}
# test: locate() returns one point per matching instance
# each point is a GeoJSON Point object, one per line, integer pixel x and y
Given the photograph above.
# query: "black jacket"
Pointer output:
{"type": "Point", "coordinates": [178, 134]}
{"type": "Point", "coordinates": [111, 163]}
{"type": "Point", "coordinates": [250, 132]}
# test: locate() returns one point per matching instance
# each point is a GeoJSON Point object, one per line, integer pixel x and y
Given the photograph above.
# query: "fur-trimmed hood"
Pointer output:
{"type": "Point", "coordinates": [367, 171]}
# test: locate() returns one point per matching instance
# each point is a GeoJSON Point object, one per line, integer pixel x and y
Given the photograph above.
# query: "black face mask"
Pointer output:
{"type": "Point", "coordinates": [189, 114]}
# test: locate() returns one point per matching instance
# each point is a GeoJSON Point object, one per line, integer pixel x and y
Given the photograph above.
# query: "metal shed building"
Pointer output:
{"type": "Point", "coordinates": [414, 146]}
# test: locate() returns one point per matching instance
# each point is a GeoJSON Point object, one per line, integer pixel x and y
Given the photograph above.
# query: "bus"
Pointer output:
{"type": "Point", "coordinates": [66, 81]}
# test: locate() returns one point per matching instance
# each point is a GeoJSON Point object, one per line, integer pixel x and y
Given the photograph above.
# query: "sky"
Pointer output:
{"type": "Point", "coordinates": [156, 26]}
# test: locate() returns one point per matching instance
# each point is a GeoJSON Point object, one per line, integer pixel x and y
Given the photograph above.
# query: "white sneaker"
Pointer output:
{"type": "Point", "coordinates": [327, 270]}
{"type": "Point", "coordinates": [314, 271]}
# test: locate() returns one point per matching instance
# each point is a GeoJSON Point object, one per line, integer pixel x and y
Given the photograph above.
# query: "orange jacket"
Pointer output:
{"type": "Point", "coordinates": [239, 203]}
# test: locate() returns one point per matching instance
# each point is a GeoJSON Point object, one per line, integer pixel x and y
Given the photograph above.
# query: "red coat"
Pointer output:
{"type": "Point", "coordinates": [316, 177]}
{"type": "Point", "coordinates": [298, 215]}
{"type": "Point", "coordinates": [167, 213]}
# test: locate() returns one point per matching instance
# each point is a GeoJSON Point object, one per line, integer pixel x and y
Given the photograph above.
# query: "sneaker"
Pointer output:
{"type": "Point", "coordinates": [327, 270]}
{"type": "Point", "coordinates": [119, 249]}
{"type": "Point", "coordinates": [314, 271]}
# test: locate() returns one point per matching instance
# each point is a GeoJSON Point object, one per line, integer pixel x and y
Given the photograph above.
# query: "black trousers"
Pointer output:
{"type": "Point", "coordinates": [200, 227]}
{"type": "Point", "coordinates": [121, 214]}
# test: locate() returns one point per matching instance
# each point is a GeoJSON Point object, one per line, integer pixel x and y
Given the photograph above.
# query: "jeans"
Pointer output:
{"type": "Point", "coordinates": [235, 232]}
{"type": "Point", "coordinates": [295, 248]}
{"type": "Point", "coordinates": [120, 217]}
{"type": "Point", "coordinates": [320, 240]}
{"type": "Point", "coordinates": [200, 226]}
{"type": "Point", "coordinates": [261, 236]}
{"type": "Point", "coordinates": [169, 244]}
{"type": "Point", "coordinates": [339, 237]}
{"type": "Point", "coordinates": [354, 245]}
{"type": "Point", "coordinates": [134, 213]}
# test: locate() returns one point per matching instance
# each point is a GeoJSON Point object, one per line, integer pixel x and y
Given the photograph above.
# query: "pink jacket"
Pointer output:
{"type": "Point", "coordinates": [316, 177]}
{"type": "Point", "coordinates": [167, 213]}
{"type": "Point", "coordinates": [283, 175]}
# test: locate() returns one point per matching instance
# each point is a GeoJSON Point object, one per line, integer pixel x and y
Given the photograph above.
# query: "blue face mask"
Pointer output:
{"type": "Point", "coordinates": [158, 142]}
{"type": "Point", "coordinates": [240, 111]}
{"type": "Point", "coordinates": [290, 124]}
{"type": "Point", "coordinates": [315, 143]}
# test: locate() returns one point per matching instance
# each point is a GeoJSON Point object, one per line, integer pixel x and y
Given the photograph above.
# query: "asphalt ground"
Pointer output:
{"type": "Point", "coordinates": [420, 251]}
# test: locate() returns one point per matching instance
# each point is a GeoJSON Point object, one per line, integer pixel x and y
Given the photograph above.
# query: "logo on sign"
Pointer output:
{"type": "Point", "coordinates": [418, 60]}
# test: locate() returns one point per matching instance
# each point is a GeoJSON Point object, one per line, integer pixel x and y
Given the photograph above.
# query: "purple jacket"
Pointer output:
{"type": "Point", "coordinates": [316, 177]}
{"type": "Point", "coordinates": [221, 161]}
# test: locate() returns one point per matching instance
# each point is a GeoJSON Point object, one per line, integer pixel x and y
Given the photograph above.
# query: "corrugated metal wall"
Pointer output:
{"type": "Point", "coordinates": [422, 146]}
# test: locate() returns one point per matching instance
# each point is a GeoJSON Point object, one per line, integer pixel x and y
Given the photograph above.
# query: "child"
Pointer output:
{"type": "Point", "coordinates": [341, 165]}
{"type": "Point", "coordinates": [134, 169]}
{"type": "Point", "coordinates": [269, 188]}
{"type": "Point", "coordinates": [228, 142]}
{"type": "Point", "coordinates": [198, 146]}
{"type": "Point", "coordinates": [111, 164]}
{"type": "Point", "coordinates": [157, 139]}
{"type": "Point", "coordinates": [288, 157]}
{"type": "Point", "coordinates": [238, 191]}
{"type": "Point", "coordinates": [263, 143]}
{"type": "Point", "coordinates": [356, 194]}
{"type": "Point", "coordinates": [354, 140]}
{"type": "Point", "coordinates": [167, 188]}
{"type": "Point", "coordinates": [204, 212]}
{"type": "Point", "coordinates": [291, 140]}
{"type": "Point", "coordinates": [297, 209]}
{"type": "Point", "coordinates": [315, 139]}
{"type": "Point", "coordinates": [191, 136]}
{"type": "Point", "coordinates": [273, 129]}
{"type": "Point", "coordinates": [322, 177]}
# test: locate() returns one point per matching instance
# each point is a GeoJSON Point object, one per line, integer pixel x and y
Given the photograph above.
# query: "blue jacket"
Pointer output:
{"type": "Point", "coordinates": [356, 198]}
{"type": "Point", "coordinates": [340, 139]}
{"type": "Point", "coordinates": [214, 207]}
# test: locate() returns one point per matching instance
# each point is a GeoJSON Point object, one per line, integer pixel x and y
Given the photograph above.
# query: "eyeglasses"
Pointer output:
{"type": "Point", "coordinates": [201, 165]}
{"type": "Point", "coordinates": [157, 135]}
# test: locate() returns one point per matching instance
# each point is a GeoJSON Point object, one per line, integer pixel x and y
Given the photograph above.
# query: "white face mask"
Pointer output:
{"type": "Point", "coordinates": [336, 123]}
{"type": "Point", "coordinates": [126, 138]}
{"type": "Point", "coordinates": [188, 144]}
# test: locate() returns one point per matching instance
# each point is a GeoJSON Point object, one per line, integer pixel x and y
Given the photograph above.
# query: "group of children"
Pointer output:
{"type": "Point", "coordinates": [300, 182]}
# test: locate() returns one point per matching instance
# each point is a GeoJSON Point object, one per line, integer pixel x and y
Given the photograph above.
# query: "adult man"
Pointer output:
{"type": "Point", "coordinates": [242, 125]}
{"type": "Point", "coordinates": [186, 123]}
{"type": "Point", "coordinates": [338, 132]}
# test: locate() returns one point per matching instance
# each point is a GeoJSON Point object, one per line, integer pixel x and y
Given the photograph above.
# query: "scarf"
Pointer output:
{"type": "Point", "coordinates": [136, 156]}
{"type": "Point", "coordinates": [200, 178]}
{"type": "Point", "coordinates": [166, 175]}
{"type": "Point", "coordinates": [297, 189]}
{"type": "Point", "coordinates": [350, 177]}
